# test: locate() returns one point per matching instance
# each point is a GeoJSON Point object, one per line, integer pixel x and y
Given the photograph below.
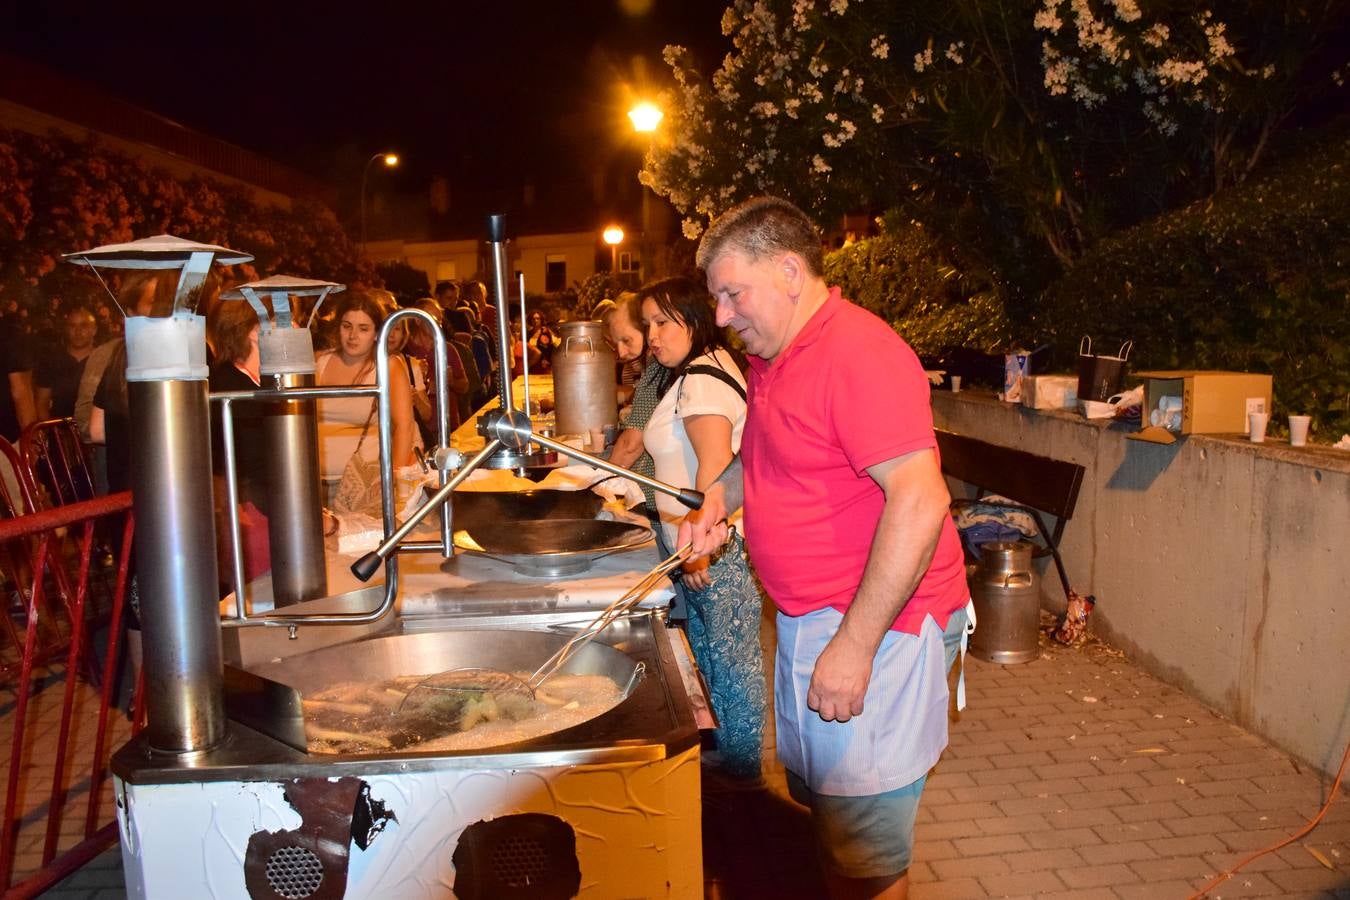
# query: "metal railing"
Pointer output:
{"type": "Point", "coordinates": [42, 835]}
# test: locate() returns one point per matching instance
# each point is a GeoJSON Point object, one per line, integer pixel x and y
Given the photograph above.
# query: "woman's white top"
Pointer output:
{"type": "Point", "coordinates": [340, 423]}
{"type": "Point", "coordinates": [668, 442]}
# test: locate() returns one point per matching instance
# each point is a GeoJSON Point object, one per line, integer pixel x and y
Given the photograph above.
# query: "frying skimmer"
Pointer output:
{"type": "Point", "coordinates": [472, 679]}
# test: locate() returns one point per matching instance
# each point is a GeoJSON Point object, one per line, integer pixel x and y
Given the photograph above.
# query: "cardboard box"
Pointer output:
{"type": "Point", "coordinates": [1211, 402]}
{"type": "Point", "coordinates": [1050, 391]}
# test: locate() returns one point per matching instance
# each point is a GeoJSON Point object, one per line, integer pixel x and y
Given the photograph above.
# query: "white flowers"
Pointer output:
{"type": "Point", "coordinates": [691, 228]}
{"type": "Point", "coordinates": [923, 59]}
{"type": "Point", "coordinates": [1048, 19]}
{"type": "Point", "coordinates": [1111, 50]}
{"type": "Point", "coordinates": [839, 7]}
{"type": "Point", "coordinates": [801, 12]}
{"type": "Point", "coordinates": [1126, 10]}
{"type": "Point", "coordinates": [954, 52]}
{"type": "Point", "coordinates": [765, 109]}
{"type": "Point", "coordinates": [1179, 71]}
{"type": "Point", "coordinates": [819, 165]}
{"type": "Point", "coordinates": [845, 133]}
{"type": "Point", "coordinates": [878, 114]}
{"type": "Point", "coordinates": [1218, 42]}
{"type": "Point", "coordinates": [880, 48]}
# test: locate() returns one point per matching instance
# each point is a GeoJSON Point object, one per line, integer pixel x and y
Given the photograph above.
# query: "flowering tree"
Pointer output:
{"type": "Point", "coordinates": [1028, 129]}
{"type": "Point", "coordinates": [58, 194]}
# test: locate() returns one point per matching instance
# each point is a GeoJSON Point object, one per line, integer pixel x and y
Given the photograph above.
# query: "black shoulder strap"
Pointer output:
{"type": "Point", "coordinates": [720, 375]}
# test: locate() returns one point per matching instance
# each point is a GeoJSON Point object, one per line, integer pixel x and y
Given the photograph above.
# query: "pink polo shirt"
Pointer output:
{"type": "Point", "coordinates": [846, 394]}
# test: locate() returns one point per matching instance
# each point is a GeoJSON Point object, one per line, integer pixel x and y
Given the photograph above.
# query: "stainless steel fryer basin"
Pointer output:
{"type": "Point", "coordinates": [510, 650]}
{"type": "Point", "coordinates": [268, 697]}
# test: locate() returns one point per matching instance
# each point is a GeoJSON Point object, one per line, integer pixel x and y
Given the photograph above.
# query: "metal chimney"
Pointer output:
{"type": "Point", "coordinates": [171, 491]}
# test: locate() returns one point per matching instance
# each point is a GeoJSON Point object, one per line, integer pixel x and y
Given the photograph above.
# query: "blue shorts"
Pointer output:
{"type": "Point", "coordinates": [862, 837]}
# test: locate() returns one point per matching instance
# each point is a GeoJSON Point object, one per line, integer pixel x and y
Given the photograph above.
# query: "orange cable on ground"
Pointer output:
{"type": "Point", "coordinates": [1335, 788]}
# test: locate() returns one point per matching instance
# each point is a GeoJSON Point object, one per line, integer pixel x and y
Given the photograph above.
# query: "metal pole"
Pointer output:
{"type": "Point", "coordinates": [295, 521]}
{"type": "Point", "coordinates": [176, 555]}
{"type": "Point", "coordinates": [497, 247]}
{"type": "Point", "coordinates": [524, 344]}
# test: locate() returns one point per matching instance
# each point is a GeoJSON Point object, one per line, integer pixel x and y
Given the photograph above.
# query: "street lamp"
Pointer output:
{"type": "Point", "coordinates": [390, 160]}
{"type": "Point", "coordinates": [645, 117]}
{"type": "Point", "coordinates": [613, 236]}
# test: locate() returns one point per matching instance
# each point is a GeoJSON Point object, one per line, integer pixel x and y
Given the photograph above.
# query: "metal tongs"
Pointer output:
{"type": "Point", "coordinates": [478, 679]}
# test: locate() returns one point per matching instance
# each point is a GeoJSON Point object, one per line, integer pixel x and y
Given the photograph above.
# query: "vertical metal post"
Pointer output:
{"type": "Point", "coordinates": [295, 523]}
{"type": "Point", "coordinates": [524, 344]}
{"type": "Point", "coordinates": [497, 247]}
{"type": "Point", "coordinates": [176, 555]}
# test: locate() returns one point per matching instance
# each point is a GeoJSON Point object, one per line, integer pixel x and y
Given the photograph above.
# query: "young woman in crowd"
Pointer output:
{"type": "Point", "coordinates": [543, 340]}
{"type": "Point", "coordinates": [348, 423]}
{"type": "Point", "coordinates": [692, 435]}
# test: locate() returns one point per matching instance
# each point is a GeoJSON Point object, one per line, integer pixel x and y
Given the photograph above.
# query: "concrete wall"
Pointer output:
{"type": "Point", "coordinates": [1221, 566]}
{"type": "Point", "coordinates": [529, 253]}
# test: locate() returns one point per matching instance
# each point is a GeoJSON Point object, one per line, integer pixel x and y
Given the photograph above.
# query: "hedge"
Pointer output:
{"type": "Point", "coordinates": [1258, 279]}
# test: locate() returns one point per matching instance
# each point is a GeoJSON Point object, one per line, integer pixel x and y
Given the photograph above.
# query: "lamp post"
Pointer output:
{"type": "Point", "coordinates": [645, 117]}
{"type": "Point", "coordinates": [613, 236]}
{"type": "Point", "coordinates": [390, 161]}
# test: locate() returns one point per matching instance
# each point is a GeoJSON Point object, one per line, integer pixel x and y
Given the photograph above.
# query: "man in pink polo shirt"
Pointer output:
{"type": "Point", "coordinates": [847, 525]}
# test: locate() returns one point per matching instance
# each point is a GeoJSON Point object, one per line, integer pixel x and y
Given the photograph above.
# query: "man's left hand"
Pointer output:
{"type": "Point", "coordinates": [696, 575]}
{"type": "Point", "coordinates": [839, 681]}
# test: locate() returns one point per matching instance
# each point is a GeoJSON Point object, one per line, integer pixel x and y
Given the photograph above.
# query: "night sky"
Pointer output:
{"type": "Point", "coordinates": [479, 92]}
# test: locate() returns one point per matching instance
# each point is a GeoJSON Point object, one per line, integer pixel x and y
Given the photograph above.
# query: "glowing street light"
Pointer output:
{"type": "Point", "coordinates": [645, 117]}
{"type": "Point", "coordinates": [390, 160]}
{"type": "Point", "coordinates": [613, 236]}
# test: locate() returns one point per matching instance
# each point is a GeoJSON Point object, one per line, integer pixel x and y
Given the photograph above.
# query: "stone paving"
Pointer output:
{"type": "Point", "coordinates": [1074, 776]}
{"type": "Point", "coordinates": [38, 764]}
{"type": "Point", "coordinates": [1078, 777]}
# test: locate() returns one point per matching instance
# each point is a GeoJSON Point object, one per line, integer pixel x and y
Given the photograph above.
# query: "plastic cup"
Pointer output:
{"type": "Point", "coordinates": [1257, 427]}
{"type": "Point", "coordinates": [956, 384]}
{"type": "Point", "coordinates": [1298, 430]}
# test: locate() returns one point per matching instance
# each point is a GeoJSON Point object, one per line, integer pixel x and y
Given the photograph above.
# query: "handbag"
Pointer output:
{"type": "Point", "coordinates": [358, 489]}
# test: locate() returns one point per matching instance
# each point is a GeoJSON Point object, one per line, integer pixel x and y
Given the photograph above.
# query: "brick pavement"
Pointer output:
{"type": "Point", "coordinates": [37, 764]}
{"type": "Point", "coordinates": [1075, 777]}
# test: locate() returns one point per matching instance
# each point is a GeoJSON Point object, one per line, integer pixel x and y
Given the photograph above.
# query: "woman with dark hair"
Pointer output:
{"type": "Point", "coordinates": [234, 333]}
{"type": "Point", "coordinates": [623, 330]}
{"type": "Point", "coordinates": [459, 331]}
{"type": "Point", "coordinates": [692, 435]}
{"type": "Point", "coordinates": [348, 425]}
{"type": "Point", "coordinates": [233, 327]}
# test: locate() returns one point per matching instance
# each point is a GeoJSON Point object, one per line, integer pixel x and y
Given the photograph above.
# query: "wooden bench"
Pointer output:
{"type": "Point", "coordinates": [1034, 484]}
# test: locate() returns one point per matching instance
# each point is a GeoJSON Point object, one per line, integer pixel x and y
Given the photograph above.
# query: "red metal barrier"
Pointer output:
{"type": "Point", "coordinates": [74, 761]}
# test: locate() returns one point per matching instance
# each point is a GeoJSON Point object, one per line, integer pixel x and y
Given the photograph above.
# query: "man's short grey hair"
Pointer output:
{"type": "Point", "coordinates": [761, 228]}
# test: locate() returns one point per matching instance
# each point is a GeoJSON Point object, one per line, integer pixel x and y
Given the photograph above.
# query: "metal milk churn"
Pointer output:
{"type": "Point", "coordinates": [1007, 604]}
{"type": "Point", "coordinates": [584, 386]}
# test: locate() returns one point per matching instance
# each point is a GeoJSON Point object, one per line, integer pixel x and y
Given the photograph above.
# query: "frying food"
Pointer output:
{"type": "Point", "coordinates": [365, 717]}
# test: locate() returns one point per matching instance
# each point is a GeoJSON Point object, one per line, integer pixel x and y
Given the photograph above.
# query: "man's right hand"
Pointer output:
{"type": "Point", "coordinates": [705, 529]}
